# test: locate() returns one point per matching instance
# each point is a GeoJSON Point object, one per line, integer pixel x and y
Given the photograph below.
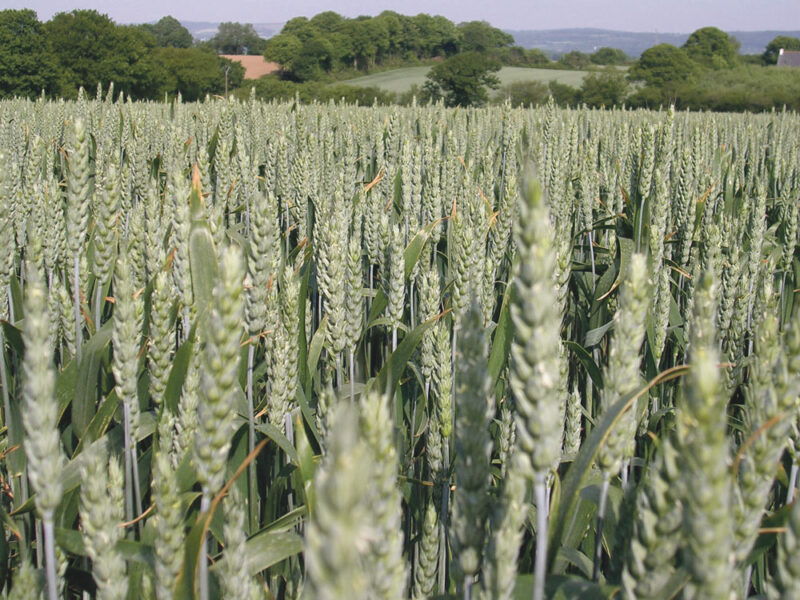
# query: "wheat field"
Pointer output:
{"type": "Point", "coordinates": [314, 351]}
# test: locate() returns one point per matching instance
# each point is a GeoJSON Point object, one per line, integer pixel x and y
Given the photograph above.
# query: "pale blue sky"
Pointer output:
{"type": "Point", "coordinates": [681, 16]}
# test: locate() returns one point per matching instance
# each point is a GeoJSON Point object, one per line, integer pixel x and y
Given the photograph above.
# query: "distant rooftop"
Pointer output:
{"type": "Point", "coordinates": [789, 58]}
{"type": "Point", "coordinates": [255, 66]}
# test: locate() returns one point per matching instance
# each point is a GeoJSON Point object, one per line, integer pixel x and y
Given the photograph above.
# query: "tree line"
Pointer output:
{"type": "Point", "coordinates": [706, 73]}
{"type": "Point", "coordinates": [84, 48]}
{"type": "Point", "coordinates": [307, 49]}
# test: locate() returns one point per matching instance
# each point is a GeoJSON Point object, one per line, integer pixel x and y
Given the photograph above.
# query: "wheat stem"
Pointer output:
{"type": "Point", "coordinates": [50, 556]}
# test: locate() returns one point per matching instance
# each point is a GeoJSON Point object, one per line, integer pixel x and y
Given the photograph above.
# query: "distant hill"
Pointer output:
{"type": "Point", "coordinates": [205, 30]}
{"type": "Point", "coordinates": [556, 42]}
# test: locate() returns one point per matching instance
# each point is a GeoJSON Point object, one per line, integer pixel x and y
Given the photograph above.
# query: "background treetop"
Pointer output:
{"type": "Point", "coordinates": [237, 38]}
{"type": "Point", "coordinates": [785, 42]}
{"type": "Point", "coordinates": [462, 80]}
{"type": "Point", "coordinates": [169, 32]}
{"type": "Point", "coordinates": [712, 48]}
{"type": "Point", "coordinates": [306, 48]}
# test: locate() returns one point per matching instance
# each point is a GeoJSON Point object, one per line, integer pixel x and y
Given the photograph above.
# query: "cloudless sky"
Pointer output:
{"type": "Point", "coordinates": [678, 16]}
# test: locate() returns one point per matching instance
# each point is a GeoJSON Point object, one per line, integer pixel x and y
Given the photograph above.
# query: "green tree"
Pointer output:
{"type": "Point", "coordinates": [194, 72]}
{"type": "Point", "coordinates": [368, 40]}
{"type": "Point", "coordinates": [237, 38]}
{"type": "Point", "coordinates": [27, 65]}
{"type": "Point", "coordinates": [143, 76]}
{"type": "Point", "coordinates": [170, 33]}
{"type": "Point", "coordinates": [575, 60]}
{"type": "Point", "coordinates": [517, 56]}
{"type": "Point", "coordinates": [607, 88]}
{"type": "Point", "coordinates": [563, 94]}
{"type": "Point", "coordinates": [747, 88]}
{"type": "Point", "coordinates": [300, 27]}
{"type": "Point", "coordinates": [395, 27]}
{"type": "Point", "coordinates": [662, 65]}
{"type": "Point", "coordinates": [327, 22]}
{"type": "Point", "coordinates": [314, 59]}
{"type": "Point", "coordinates": [463, 79]}
{"type": "Point", "coordinates": [479, 36]}
{"type": "Point", "coordinates": [283, 49]}
{"type": "Point", "coordinates": [712, 48]}
{"type": "Point", "coordinates": [770, 56]}
{"type": "Point", "coordinates": [535, 57]}
{"type": "Point", "coordinates": [608, 56]}
{"type": "Point", "coordinates": [91, 49]}
{"type": "Point", "coordinates": [524, 93]}
{"type": "Point", "coordinates": [435, 36]}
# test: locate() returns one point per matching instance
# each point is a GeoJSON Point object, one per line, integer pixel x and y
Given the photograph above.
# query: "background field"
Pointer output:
{"type": "Point", "coordinates": [401, 80]}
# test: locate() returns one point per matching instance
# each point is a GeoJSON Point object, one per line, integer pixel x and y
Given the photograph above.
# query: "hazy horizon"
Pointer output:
{"type": "Point", "coordinates": [677, 16]}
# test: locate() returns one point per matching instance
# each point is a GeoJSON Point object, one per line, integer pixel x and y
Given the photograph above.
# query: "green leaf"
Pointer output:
{"type": "Point", "coordinates": [302, 334]}
{"type": "Point", "coordinates": [86, 383]}
{"type": "Point", "coordinates": [65, 387]}
{"type": "Point", "coordinates": [202, 254]}
{"type": "Point", "coordinates": [314, 351]}
{"type": "Point", "coordinates": [16, 298]}
{"type": "Point", "coordinates": [70, 475]}
{"type": "Point", "coordinates": [203, 265]}
{"type": "Point", "coordinates": [100, 422]}
{"type": "Point", "coordinates": [595, 336]}
{"type": "Point", "coordinates": [304, 475]}
{"type": "Point", "coordinates": [15, 432]}
{"type": "Point", "coordinates": [674, 584]}
{"type": "Point", "coordinates": [411, 256]}
{"type": "Point", "coordinates": [501, 341]}
{"type": "Point", "coordinates": [137, 586]}
{"type": "Point", "coordinates": [193, 548]}
{"type": "Point", "coordinates": [415, 247]}
{"type": "Point", "coordinates": [283, 443]}
{"type": "Point", "coordinates": [177, 375]}
{"type": "Point", "coordinates": [587, 361]}
{"type": "Point", "coordinates": [8, 522]}
{"type": "Point", "coordinates": [268, 548]}
{"type": "Point", "coordinates": [625, 246]}
{"type": "Point", "coordinates": [390, 373]}
{"type": "Point", "coordinates": [576, 476]}
{"type": "Point", "coordinates": [5, 552]}
{"type": "Point", "coordinates": [772, 522]}
{"type": "Point", "coordinates": [13, 337]}
{"type": "Point", "coordinates": [72, 541]}
{"type": "Point", "coordinates": [604, 286]}
{"type": "Point", "coordinates": [579, 559]}
{"type": "Point", "coordinates": [307, 414]}
{"type": "Point", "coordinates": [185, 475]}
{"type": "Point", "coordinates": [564, 587]}
{"type": "Point", "coordinates": [288, 521]}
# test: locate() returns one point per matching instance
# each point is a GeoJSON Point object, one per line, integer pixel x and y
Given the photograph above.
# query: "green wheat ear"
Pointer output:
{"type": "Point", "coordinates": [622, 375]}
{"type": "Point", "coordinates": [40, 418]}
{"type": "Point", "coordinates": [102, 512]}
{"type": "Point", "coordinates": [474, 411]}
{"type": "Point", "coordinates": [427, 553]}
{"type": "Point", "coordinates": [339, 529]}
{"type": "Point", "coordinates": [169, 515]}
{"type": "Point", "coordinates": [787, 576]}
{"type": "Point", "coordinates": [219, 374]}
{"type": "Point", "coordinates": [234, 572]}
{"type": "Point", "coordinates": [388, 577]}
{"type": "Point", "coordinates": [535, 349]}
{"type": "Point", "coordinates": [703, 448]}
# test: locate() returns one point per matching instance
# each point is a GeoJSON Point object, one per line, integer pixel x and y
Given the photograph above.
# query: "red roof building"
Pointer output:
{"type": "Point", "coordinates": [789, 58]}
{"type": "Point", "coordinates": [255, 66]}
